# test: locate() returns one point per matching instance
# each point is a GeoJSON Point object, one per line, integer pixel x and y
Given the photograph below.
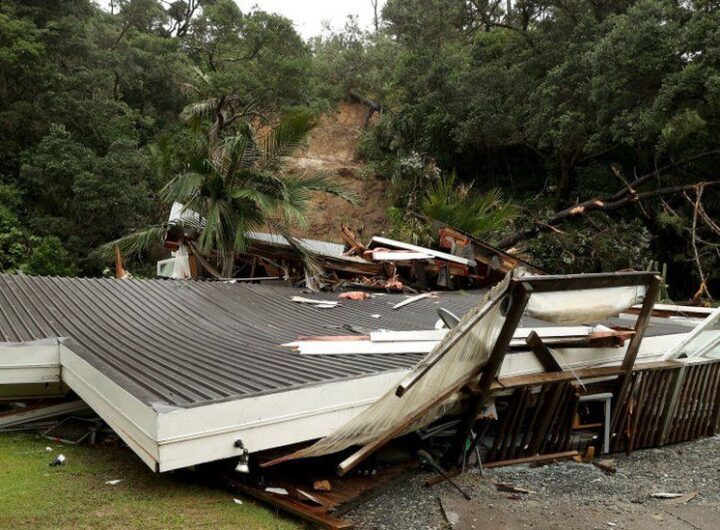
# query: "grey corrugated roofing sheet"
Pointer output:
{"type": "Point", "coordinates": [187, 343]}
{"type": "Point", "coordinates": [316, 246]}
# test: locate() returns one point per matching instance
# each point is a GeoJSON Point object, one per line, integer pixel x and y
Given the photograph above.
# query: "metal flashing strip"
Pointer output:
{"type": "Point", "coordinates": [132, 420]}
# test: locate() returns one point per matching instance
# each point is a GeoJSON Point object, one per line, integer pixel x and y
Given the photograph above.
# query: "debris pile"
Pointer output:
{"type": "Point", "coordinates": [461, 262]}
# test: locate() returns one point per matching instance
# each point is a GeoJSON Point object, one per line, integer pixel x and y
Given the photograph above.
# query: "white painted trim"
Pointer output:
{"type": "Point", "coordinates": [131, 419]}
{"type": "Point", "coordinates": [362, 347]}
{"type": "Point", "coordinates": [681, 309]}
{"type": "Point", "coordinates": [681, 348]}
{"type": "Point", "coordinates": [389, 255]}
{"type": "Point", "coordinates": [30, 362]}
{"type": "Point", "coordinates": [408, 336]}
{"type": "Point", "coordinates": [22, 416]}
{"type": "Point", "coordinates": [202, 434]}
{"type": "Point", "coordinates": [651, 349]}
{"type": "Point", "coordinates": [394, 342]}
{"type": "Point", "coordinates": [407, 246]}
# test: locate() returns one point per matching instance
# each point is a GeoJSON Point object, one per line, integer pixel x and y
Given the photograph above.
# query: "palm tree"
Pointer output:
{"type": "Point", "coordinates": [461, 207]}
{"type": "Point", "coordinates": [239, 188]}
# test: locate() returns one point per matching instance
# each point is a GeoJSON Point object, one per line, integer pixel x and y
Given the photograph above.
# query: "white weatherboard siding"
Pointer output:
{"type": "Point", "coordinates": [30, 362]}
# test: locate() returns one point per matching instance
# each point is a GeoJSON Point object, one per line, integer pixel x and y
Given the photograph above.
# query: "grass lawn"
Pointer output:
{"type": "Point", "coordinates": [75, 496]}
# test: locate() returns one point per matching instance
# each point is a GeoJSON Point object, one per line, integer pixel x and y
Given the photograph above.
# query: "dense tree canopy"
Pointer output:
{"type": "Point", "coordinates": [612, 105]}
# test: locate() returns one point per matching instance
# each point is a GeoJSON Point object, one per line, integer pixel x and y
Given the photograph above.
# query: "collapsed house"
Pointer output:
{"type": "Point", "coordinates": [190, 372]}
{"type": "Point", "coordinates": [462, 262]}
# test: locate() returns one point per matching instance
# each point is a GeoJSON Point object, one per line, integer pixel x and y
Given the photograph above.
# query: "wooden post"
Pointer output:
{"type": "Point", "coordinates": [519, 295]}
{"type": "Point", "coordinates": [631, 353]}
{"type": "Point", "coordinates": [671, 404]}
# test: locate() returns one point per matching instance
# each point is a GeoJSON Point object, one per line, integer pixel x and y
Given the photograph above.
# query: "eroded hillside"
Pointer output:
{"type": "Point", "coordinates": [331, 150]}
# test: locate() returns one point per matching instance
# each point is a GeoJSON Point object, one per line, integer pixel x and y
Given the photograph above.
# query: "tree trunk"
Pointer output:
{"type": "Point", "coordinates": [228, 268]}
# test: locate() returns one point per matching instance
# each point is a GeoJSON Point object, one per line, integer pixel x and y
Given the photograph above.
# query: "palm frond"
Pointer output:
{"type": "Point", "coordinates": [479, 214]}
{"type": "Point", "coordinates": [312, 265]}
{"type": "Point", "coordinates": [199, 109]}
{"type": "Point", "coordinates": [133, 244]}
{"type": "Point", "coordinates": [320, 183]}
{"type": "Point", "coordinates": [284, 139]}
{"type": "Point", "coordinates": [183, 188]}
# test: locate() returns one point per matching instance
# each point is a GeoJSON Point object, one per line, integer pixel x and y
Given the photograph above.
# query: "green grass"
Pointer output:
{"type": "Point", "coordinates": [75, 496]}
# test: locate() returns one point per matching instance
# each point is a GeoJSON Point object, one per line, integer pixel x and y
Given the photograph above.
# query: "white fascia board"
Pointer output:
{"type": "Point", "coordinates": [35, 361]}
{"type": "Point", "coordinates": [422, 250]}
{"type": "Point", "coordinates": [681, 309]}
{"type": "Point", "coordinates": [651, 349]}
{"type": "Point", "coordinates": [393, 342]}
{"type": "Point", "coordinates": [22, 375]}
{"type": "Point", "coordinates": [399, 256]}
{"type": "Point", "coordinates": [407, 336]}
{"type": "Point", "coordinates": [134, 421]}
{"type": "Point", "coordinates": [189, 436]}
{"type": "Point", "coordinates": [36, 414]}
{"type": "Point", "coordinates": [439, 334]}
{"type": "Point", "coordinates": [362, 347]}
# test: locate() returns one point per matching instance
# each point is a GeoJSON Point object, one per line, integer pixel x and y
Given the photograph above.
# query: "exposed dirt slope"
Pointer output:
{"type": "Point", "coordinates": [331, 150]}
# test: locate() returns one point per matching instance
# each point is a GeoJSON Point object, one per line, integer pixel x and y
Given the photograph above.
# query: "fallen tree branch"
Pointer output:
{"type": "Point", "coordinates": [591, 205]}
{"type": "Point", "coordinates": [627, 195]}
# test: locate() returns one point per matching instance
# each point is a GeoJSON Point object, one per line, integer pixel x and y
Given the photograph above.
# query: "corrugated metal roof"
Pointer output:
{"type": "Point", "coordinates": [186, 343]}
{"type": "Point", "coordinates": [315, 246]}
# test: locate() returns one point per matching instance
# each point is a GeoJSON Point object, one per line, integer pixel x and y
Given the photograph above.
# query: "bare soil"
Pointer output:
{"type": "Point", "coordinates": [332, 150]}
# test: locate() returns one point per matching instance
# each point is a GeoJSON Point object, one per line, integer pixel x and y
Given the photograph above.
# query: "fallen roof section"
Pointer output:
{"type": "Point", "coordinates": [181, 370]}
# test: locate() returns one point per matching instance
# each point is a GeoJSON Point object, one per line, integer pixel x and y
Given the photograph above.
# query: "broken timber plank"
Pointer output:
{"type": "Point", "coordinates": [294, 507]}
{"type": "Point", "coordinates": [22, 416]}
{"type": "Point", "coordinates": [532, 459]}
{"type": "Point", "coordinates": [412, 299]}
{"type": "Point", "coordinates": [543, 353]}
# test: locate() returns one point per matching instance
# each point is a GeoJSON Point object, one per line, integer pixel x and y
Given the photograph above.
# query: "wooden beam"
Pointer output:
{"type": "Point", "coordinates": [518, 295]}
{"type": "Point", "coordinates": [554, 377]}
{"type": "Point", "coordinates": [294, 507]}
{"type": "Point", "coordinates": [543, 353]}
{"type": "Point", "coordinates": [575, 282]}
{"type": "Point", "coordinates": [532, 459]}
{"type": "Point", "coordinates": [632, 350]}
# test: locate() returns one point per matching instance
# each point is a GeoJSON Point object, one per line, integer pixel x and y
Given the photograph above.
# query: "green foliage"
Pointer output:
{"type": "Point", "coordinates": [240, 189]}
{"type": "Point", "coordinates": [48, 257]}
{"type": "Point", "coordinates": [99, 109]}
{"type": "Point", "coordinates": [609, 247]}
{"type": "Point", "coordinates": [90, 105]}
{"type": "Point", "coordinates": [460, 206]}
